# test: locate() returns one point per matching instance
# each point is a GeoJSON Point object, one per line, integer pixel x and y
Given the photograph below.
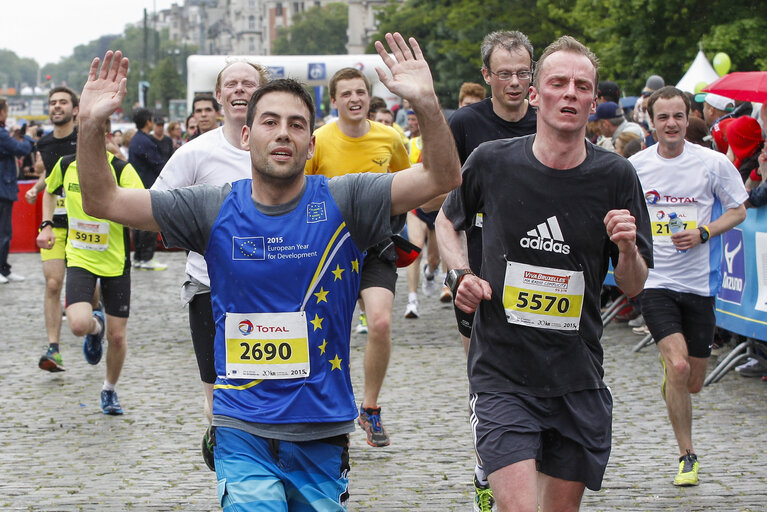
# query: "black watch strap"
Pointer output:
{"type": "Point", "coordinates": [45, 223]}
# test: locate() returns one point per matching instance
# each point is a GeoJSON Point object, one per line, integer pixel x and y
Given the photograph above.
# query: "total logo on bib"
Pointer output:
{"type": "Point", "coordinates": [267, 346]}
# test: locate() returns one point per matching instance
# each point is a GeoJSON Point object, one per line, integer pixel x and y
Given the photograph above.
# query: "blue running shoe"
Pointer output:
{"type": "Point", "coordinates": [92, 344]}
{"type": "Point", "coordinates": [109, 402]}
{"type": "Point", "coordinates": [370, 421]}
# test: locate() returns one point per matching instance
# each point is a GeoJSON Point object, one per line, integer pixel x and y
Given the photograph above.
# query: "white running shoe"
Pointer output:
{"type": "Point", "coordinates": [152, 264]}
{"type": "Point", "coordinates": [411, 310]}
{"type": "Point", "coordinates": [14, 278]}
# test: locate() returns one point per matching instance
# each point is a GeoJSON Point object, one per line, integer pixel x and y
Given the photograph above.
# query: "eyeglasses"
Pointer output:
{"type": "Point", "coordinates": [505, 76]}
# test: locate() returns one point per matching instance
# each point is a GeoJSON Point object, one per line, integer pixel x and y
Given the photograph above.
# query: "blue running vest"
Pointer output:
{"type": "Point", "coordinates": [304, 259]}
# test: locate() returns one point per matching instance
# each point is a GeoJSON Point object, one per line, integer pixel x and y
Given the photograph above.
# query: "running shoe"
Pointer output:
{"type": "Point", "coordinates": [751, 368]}
{"type": "Point", "coordinates": [152, 264]}
{"type": "Point", "coordinates": [51, 361]}
{"type": "Point", "coordinates": [370, 421]}
{"type": "Point", "coordinates": [109, 403]}
{"type": "Point", "coordinates": [665, 377]}
{"type": "Point", "coordinates": [92, 349]}
{"type": "Point", "coordinates": [429, 284]}
{"type": "Point", "coordinates": [637, 322]}
{"type": "Point", "coordinates": [445, 295]}
{"type": "Point", "coordinates": [208, 442]}
{"type": "Point", "coordinates": [483, 497]}
{"type": "Point", "coordinates": [411, 310]}
{"type": "Point", "coordinates": [688, 470]}
{"type": "Point", "coordinates": [362, 327]}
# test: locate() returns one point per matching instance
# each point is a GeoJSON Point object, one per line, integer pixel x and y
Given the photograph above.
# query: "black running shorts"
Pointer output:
{"type": "Point", "coordinates": [377, 272]}
{"type": "Point", "coordinates": [668, 312]}
{"type": "Point", "coordinates": [115, 291]}
{"type": "Point", "coordinates": [203, 330]}
{"type": "Point", "coordinates": [569, 436]}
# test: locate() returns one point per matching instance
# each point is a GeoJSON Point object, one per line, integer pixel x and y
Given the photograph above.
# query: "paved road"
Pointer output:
{"type": "Point", "coordinates": [58, 452]}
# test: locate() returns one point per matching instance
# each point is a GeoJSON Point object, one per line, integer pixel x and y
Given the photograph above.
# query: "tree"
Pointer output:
{"type": "Point", "coordinates": [320, 30]}
{"type": "Point", "coordinates": [451, 32]}
{"type": "Point", "coordinates": [16, 71]}
{"type": "Point", "coordinates": [632, 38]}
{"type": "Point", "coordinates": [166, 83]}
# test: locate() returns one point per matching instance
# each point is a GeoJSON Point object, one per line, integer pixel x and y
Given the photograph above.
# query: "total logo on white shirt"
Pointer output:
{"type": "Point", "coordinates": [546, 236]}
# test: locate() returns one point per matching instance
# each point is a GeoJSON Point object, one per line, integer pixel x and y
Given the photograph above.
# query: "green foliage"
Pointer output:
{"type": "Point", "coordinates": [316, 31]}
{"type": "Point", "coordinates": [166, 83]}
{"type": "Point", "coordinates": [17, 71]}
{"type": "Point", "coordinates": [632, 38]}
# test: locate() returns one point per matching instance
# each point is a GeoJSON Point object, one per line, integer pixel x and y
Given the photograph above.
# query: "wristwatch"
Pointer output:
{"type": "Point", "coordinates": [454, 277]}
{"type": "Point", "coordinates": [705, 234]}
{"type": "Point", "coordinates": [45, 223]}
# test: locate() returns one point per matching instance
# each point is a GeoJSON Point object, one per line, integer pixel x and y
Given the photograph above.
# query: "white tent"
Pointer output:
{"type": "Point", "coordinates": [700, 71]}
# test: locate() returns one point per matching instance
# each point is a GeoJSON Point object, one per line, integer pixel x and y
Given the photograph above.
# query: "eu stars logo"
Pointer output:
{"type": "Point", "coordinates": [315, 212]}
{"type": "Point", "coordinates": [248, 248]}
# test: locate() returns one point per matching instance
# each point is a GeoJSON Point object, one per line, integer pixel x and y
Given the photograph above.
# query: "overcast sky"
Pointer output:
{"type": "Point", "coordinates": [47, 30]}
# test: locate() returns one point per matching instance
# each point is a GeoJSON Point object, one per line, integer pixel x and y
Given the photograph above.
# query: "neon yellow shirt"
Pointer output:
{"type": "Point", "coordinates": [335, 154]}
{"type": "Point", "coordinates": [98, 245]}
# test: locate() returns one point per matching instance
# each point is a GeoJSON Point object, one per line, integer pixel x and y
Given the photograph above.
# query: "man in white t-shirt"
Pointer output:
{"type": "Point", "coordinates": [215, 158]}
{"type": "Point", "coordinates": [704, 190]}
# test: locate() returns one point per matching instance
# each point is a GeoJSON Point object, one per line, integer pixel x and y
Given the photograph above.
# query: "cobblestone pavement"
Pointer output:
{"type": "Point", "coordinates": [59, 452]}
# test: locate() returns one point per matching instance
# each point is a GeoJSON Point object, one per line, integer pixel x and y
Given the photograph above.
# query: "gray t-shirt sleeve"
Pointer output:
{"type": "Point", "coordinates": [186, 215]}
{"type": "Point", "coordinates": [365, 203]}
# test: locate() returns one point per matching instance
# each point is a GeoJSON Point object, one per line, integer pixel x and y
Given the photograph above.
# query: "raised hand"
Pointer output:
{"type": "Point", "coordinates": [106, 87]}
{"type": "Point", "coordinates": [411, 78]}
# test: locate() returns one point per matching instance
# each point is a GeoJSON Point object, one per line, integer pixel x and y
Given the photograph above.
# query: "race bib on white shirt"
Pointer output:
{"type": "Point", "coordinates": [547, 298]}
{"type": "Point", "coordinates": [661, 234]}
{"type": "Point", "coordinates": [90, 235]}
{"type": "Point", "coordinates": [267, 345]}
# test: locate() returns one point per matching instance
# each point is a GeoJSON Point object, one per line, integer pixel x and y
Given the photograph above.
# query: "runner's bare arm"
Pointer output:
{"type": "Point", "coordinates": [452, 247]}
{"type": "Point", "coordinates": [441, 169]}
{"type": "Point", "coordinates": [102, 94]}
{"type": "Point", "coordinates": [689, 238]}
{"type": "Point", "coordinates": [631, 270]}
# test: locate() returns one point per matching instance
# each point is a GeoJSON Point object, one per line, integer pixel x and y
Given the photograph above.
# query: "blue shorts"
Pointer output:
{"type": "Point", "coordinates": [257, 474]}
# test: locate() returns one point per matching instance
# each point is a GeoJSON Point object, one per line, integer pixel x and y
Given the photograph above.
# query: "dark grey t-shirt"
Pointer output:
{"type": "Point", "coordinates": [186, 217]}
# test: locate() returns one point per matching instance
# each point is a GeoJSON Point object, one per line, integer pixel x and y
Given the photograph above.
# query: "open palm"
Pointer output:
{"type": "Point", "coordinates": [106, 87]}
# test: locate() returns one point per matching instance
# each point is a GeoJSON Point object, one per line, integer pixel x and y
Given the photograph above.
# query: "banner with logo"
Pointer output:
{"type": "Point", "coordinates": [741, 305]}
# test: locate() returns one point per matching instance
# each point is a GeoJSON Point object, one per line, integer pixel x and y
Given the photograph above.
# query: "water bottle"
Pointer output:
{"type": "Point", "coordinates": [675, 225]}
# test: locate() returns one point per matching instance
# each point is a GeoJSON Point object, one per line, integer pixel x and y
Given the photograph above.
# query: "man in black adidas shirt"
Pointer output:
{"type": "Point", "coordinates": [507, 67]}
{"type": "Point", "coordinates": [555, 209]}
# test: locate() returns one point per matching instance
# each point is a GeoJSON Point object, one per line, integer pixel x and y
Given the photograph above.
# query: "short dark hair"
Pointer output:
{"type": "Point", "coordinates": [141, 117]}
{"type": "Point", "coordinates": [668, 92]}
{"type": "Point", "coordinates": [206, 97]}
{"type": "Point", "coordinates": [62, 88]}
{"type": "Point", "coordinates": [288, 85]}
{"type": "Point", "coordinates": [346, 74]}
{"type": "Point", "coordinates": [510, 40]}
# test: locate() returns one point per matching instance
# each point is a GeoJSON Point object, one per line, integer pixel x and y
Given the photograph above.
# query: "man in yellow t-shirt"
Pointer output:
{"type": "Point", "coordinates": [96, 249]}
{"type": "Point", "coordinates": [350, 145]}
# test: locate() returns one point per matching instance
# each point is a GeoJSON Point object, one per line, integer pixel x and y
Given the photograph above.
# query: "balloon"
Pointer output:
{"type": "Point", "coordinates": [47, 77]}
{"type": "Point", "coordinates": [699, 86]}
{"type": "Point", "coordinates": [722, 63]}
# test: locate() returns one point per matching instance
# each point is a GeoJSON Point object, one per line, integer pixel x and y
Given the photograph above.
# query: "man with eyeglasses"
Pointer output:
{"type": "Point", "coordinates": [507, 67]}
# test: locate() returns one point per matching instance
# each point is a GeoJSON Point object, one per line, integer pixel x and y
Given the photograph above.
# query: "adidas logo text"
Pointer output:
{"type": "Point", "coordinates": [547, 236]}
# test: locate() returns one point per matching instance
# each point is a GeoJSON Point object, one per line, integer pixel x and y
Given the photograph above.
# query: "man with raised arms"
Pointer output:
{"type": "Point", "coordinates": [283, 253]}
